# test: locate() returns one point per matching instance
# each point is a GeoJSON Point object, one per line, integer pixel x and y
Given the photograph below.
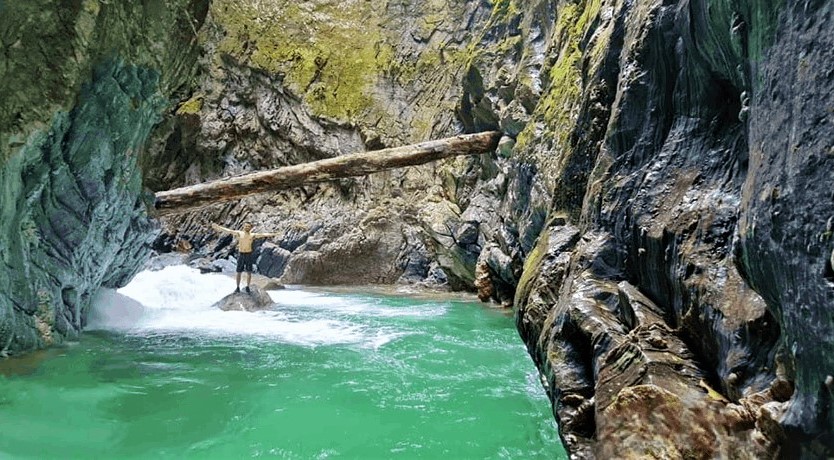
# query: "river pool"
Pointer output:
{"type": "Point", "coordinates": [328, 374]}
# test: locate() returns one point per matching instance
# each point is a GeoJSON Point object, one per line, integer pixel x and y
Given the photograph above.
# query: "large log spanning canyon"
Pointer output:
{"type": "Point", "coordinates": [351, 165]}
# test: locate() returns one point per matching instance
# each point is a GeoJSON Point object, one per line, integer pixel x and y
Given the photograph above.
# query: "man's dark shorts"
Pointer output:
{"type": "Point", "coordinates": [244, 261]}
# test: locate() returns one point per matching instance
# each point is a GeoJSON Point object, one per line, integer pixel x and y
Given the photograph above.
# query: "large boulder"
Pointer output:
{"type": "Point", "coordinates": [272, 260]}
{"type": "Point", "coordinates": [257, 300]}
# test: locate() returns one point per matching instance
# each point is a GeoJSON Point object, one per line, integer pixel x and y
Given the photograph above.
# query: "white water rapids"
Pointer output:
{"type": "Point", "coordinates": [179, 299]}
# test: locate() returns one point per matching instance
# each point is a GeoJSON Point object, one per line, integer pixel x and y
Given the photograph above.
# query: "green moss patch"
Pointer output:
{"type": "Point", "coordinates": [532, 267]}
{"type": "Point", "coordinates": [555, 115]}
{"type": "Point", "coordinates": [330, 55]}
{"type": "Point", "coordinates": [191, 106]}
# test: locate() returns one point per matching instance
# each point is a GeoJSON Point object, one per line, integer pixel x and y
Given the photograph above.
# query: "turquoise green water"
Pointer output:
{"type": "Point", "coordinates": [328, 375]}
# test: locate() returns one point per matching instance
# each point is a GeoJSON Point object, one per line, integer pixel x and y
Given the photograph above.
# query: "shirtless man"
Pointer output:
{"type": "Point", "coordinates": [246, 258]}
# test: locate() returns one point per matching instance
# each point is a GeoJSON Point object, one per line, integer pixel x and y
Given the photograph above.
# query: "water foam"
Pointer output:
{"type": "Point", "coordinates": [179, 299]}
{"type": "Point", "coordinates": [363, 306]}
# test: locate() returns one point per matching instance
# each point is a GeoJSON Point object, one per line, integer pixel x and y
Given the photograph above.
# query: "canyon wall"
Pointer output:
{"type": "Point", "coordinates": [288, 83]}
{"type": "Point", "coordinates": [659, 213]}
{"type": "Point", "coordinates": [678, 297]}
{"type": "Point", "coordinates": [83, 84]}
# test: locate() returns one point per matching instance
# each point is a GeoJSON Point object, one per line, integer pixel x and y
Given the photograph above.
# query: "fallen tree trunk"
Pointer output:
{"type": "Point", "coordinates": [357, 164]}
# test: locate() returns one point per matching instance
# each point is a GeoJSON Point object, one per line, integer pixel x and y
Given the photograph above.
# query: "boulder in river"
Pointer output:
{"type": "Point", "coordinates": [204, 265]}
{"type": "Point", "coordinates": [257, 300]}
{"type": "Point", "coordinates": [265, 283]}
{"type": "Point", "coordinates": [273, 285]}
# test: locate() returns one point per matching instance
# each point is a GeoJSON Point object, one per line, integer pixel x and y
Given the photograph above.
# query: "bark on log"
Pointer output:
{"type": "Point", "coordinates": [356, 164]}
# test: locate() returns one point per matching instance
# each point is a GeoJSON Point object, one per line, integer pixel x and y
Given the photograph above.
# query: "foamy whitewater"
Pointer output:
{"type": "Point", "coordinates": [179, 299]}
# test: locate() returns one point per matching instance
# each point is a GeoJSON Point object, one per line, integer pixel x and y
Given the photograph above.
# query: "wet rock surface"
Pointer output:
{"type": "Point", "coordinates": [659, 213]}
{"type": "Point", "coordinates": [82, 88]}
{"type": "Point", "coordinates": [255, 299]}
{"type": "Point", "coordinates": [678, 301]}
{"type": "Point", "coordinates": [786, 211]}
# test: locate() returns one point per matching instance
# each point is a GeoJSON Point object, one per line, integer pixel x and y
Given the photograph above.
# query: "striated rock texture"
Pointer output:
{"type": "Point", "coordinates": [659, 212]}
{"type": "Point", "coordinates": [83, 84]}
{"type": "Point", "coordinates": [678, 300]}
{"type": "Point", "coordinates": [289, 82]}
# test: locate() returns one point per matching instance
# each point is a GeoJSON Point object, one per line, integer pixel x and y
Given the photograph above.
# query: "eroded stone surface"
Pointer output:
{"type": "Point", "coordinates": [659, 211]}
{"type": "Point", "coordinates": [681, 203]}
{"type": "Point", "coordinates": [255, 299]}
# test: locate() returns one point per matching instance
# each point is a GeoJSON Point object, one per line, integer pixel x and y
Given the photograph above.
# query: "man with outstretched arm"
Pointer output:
{"type": "Point", "coordinates": [246, 257]}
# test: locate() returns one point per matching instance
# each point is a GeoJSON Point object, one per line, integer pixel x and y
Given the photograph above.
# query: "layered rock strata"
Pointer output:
{"type": "Point", "coordinates": [659, 211]}
{"type": "Point", "coordinates": [82, 86]}
{"type": "Point", "coordinates": [656, 212]}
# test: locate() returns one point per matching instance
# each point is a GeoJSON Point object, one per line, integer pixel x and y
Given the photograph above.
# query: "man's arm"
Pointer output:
{"type": "Point", "coordinates": [223, 229]}
{"type": "Point", "coordinates": [264, 235]}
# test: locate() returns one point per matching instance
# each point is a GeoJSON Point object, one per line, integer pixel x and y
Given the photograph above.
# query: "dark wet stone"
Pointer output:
{"type": "Point", "coordinates": [255, 300]}
{"type": "Point", "coordinates": [224, 266]}
{"type": "Point", "coordinates": [272, 260]}
{"type": "Point", "coordinates": [205, 265]}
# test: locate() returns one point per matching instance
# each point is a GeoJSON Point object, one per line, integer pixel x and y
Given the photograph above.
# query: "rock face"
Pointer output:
{"type": "Point", "coordinates": [326, 80]}
{"type": "Point", "coordinates": [255, 300]}
{"type": "Point", "coordinates": [658, 212]}
{"type": "Point", "coordinates": [787, 206]}
{"type": "Point", "coordinates": [680, 277]}
{"type": "Point", "coordinates": [83, 85]}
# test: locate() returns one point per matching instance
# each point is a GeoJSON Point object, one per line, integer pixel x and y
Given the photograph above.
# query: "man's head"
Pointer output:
{"type": "Point", "coordinates": [247, 227]}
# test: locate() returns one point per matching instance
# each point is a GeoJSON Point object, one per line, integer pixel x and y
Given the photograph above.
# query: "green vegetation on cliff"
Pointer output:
{"type": "Point", "coordinates": [532, 267]}
{"type": "Point", "coordinates": [330, 54]}
{"type": "Point", "coordinates": [351, 62]}
{"type": "Point", "coordinates": [555, 115]}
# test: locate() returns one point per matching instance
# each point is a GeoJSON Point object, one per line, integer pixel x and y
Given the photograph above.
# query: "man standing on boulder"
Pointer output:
{"type": "Point", "coordinates": [246, 257]}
